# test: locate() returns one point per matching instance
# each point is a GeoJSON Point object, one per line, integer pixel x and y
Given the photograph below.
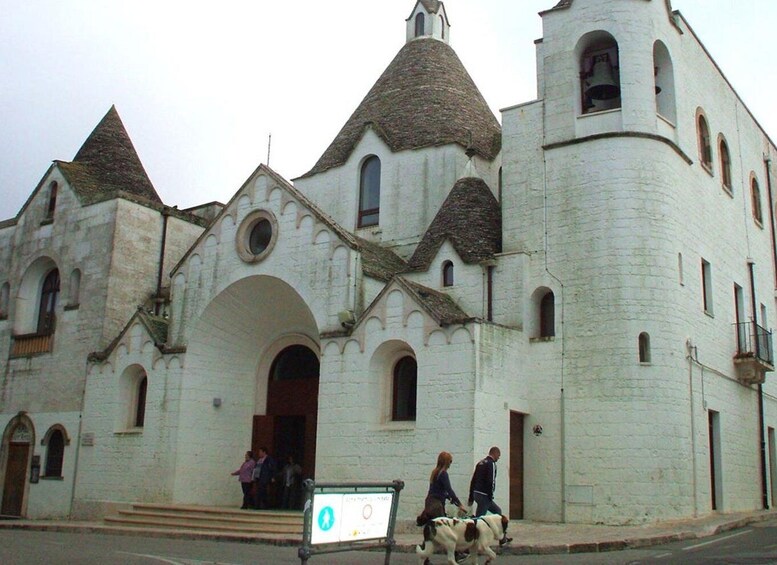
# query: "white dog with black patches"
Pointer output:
{"type": "Point", "coordinates": [475, 535]}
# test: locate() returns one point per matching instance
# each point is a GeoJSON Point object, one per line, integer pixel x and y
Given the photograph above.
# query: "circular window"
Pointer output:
{"type": "Point", "coordinates": [256, 236]}
{"type": "Point", "coordinates": [261, 235]}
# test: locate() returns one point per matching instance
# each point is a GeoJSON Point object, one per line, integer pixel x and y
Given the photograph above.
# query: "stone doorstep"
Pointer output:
{"type": "Point", "coordinates": [182, 523]}
{"type": "Point", "coordinates": [249, 518]}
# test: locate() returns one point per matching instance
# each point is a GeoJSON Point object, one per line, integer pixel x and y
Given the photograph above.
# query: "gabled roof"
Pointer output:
{"type": "Point", "coordinates": [108, 165]}
{"type": "Point", "coordinates": [470, 218]}
{"type": "Point", "coordinates": [155, 326]}
{"type": "Point", "coordinates": [377, 262]}
{"type": "Point", "coordinates": [439, 306]}
{"type": "Point", "coordinates": [425, 98]}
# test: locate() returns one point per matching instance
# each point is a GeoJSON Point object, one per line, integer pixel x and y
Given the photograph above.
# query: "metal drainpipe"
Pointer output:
{"type": "Point", "coordinates": [158, 298]}
{"type": "Point", "coordinates": [764, 493]}
{"type": "Point", "coordinates": [767, 165]}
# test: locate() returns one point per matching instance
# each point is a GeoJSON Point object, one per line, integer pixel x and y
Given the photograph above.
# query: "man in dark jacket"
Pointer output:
{"type": "Point", "coordinates": [263, 475]}
{"type": "Point", "coordinates": [483, 485]}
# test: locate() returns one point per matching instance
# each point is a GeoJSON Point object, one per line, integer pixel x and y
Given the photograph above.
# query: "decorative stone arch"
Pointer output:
{"type": "Point", "coordinates": [18, 446]}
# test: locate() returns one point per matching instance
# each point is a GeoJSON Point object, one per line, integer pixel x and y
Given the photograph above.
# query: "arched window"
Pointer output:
{"type": "Point", "coordinates": [442, 27]}
{"type": "Point", "coordinates": [755, 196]}
{"type": "Point", "coordinates": [48, 303]}
{"type": "Point", "coordinates": [55, 453]}
{"type": "Point", "coordinates": [420, 22]}
{"type": "Point", "coordinates": [644, 348]}
{"type": "Point", "coordinates": [369, 193]}
{"type": "Point", "coordinates": [548, 315]}
{"type": "Point", "coordinates": [52, 200]}
{"type": "Point", "coordinates": [600, 87]}
{"type": "Point", "coordinates": [725, 165]}
{"type": "Point", "coordinates": [447, 274]}
{"type": "Point", "coordinates": [5, 294]}
{"type": "Point", "coordinates": [405, 389]}
{"type": "Point", "coordinates": [140, 406]}
{"type": "Point", "coordinates": [74, 291]}
{"type": "Point", "coordinates": [705, 147]}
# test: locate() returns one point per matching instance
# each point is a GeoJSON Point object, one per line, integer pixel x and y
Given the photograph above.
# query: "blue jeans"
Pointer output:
{"type": "Point", "coordinates": [486, 504]}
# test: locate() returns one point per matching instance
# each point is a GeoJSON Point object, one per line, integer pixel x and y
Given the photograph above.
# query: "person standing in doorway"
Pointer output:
{"type": "Point", "coordinates": [246, 477]}
{"type": "Point", "coordinates": [263, 475]}
{"type": "Point", "coordinates": [289, 477]}
{"type": "Point", "coordinates": [483, 485]}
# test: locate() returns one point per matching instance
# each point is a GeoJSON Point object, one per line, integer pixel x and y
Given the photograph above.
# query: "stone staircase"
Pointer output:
{"type": "Point", "coordinates": [209, 519]}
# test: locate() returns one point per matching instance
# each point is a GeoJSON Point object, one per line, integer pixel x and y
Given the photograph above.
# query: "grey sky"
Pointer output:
{"type": "Point", "coordinates": [201, 85]}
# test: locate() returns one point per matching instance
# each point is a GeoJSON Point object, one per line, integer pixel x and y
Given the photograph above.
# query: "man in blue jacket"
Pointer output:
{"type": "Point", "coordinates": [483, 484]}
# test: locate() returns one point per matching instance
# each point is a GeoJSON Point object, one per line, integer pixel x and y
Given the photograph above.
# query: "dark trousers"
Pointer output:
{"type": "Point", "coordinates": [486, 504]}
{"type": "Point", "coordinates": [247, 498]}
{"type": "Point", "coordinates": [260, 499]}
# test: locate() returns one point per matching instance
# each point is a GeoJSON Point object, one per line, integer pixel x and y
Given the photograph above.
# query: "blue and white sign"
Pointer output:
{"type": "Point", "coordinates": [348, 517]}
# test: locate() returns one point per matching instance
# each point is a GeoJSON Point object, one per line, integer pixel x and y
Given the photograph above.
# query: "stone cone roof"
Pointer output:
{"type": "Point", "coordinates": [470, 218]}
{"type": "Point", "coordinates": [107, 164]}
{"type": "Point", "coordinates": [425, 98]}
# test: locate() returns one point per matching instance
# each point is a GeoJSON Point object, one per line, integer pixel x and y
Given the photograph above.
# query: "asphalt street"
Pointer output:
{"type": "Point", "coordinates": [752, 545]}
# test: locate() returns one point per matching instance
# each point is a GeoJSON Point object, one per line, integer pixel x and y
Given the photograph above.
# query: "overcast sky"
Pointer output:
{"type": "Point", "coordinates": [201, 85]}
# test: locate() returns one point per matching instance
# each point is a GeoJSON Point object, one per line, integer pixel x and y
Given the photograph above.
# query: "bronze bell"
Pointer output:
{"type": "Point", "coordinates": [601, 84]}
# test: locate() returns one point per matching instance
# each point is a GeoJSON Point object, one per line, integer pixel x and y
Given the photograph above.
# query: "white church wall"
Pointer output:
{"type": "Point", "coordinates": [121, 463]}
{"type": "Point", "coordinates": [357, 440]}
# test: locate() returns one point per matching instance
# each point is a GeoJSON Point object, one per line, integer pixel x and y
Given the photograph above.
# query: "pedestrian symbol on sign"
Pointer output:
{"type": "Point", "coordinates": [326, 518]}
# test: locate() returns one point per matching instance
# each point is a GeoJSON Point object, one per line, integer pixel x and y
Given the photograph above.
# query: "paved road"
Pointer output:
{"type": "Point", "coordinates": [753, 545]}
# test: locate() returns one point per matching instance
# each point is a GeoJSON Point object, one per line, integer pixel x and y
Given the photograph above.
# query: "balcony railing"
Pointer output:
{"type": "Point", "coordinates": [31, 344]}
{"type": "Point", "coordinates": [755, 355]}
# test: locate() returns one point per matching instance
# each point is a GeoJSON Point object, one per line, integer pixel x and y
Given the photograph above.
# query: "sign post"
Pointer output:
{"type": "Point", "coordinates": [349, 517]}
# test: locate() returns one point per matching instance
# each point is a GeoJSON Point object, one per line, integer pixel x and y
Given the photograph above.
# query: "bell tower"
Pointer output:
{"type": "Point", "coordinates": [428, 19]}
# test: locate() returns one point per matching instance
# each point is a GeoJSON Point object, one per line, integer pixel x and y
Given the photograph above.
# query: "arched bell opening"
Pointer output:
{"type": "Point", "coordinates": [599, 68]}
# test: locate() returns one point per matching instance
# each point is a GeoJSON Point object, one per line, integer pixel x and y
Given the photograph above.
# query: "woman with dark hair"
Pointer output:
{"type": "Point", "coordinates": [440, 490]}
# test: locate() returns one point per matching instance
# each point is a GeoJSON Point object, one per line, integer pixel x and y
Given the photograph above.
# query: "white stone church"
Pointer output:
{"type": "Point", "coordinates": [586, 281]}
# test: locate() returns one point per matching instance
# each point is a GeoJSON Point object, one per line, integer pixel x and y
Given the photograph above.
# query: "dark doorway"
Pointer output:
{"type": "Point", "coordinates": [289, 427]}
{"type": "Point", "coordinates": [15, 479]}
{"type": "Point", "coordinates": [516, 465]}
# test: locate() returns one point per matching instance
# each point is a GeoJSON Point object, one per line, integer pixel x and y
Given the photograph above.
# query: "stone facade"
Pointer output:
{"type": "Point", "coordinates": [608, 274]}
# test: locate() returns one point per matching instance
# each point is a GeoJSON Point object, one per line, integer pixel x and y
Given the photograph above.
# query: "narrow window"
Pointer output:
{"type": "Point", "coordinates": [663, 73]}
{"type": "Point", "coordinates": [755, 196]}
{"type": "Point", "coordinates": [419, 25]}
{"type": "Point", "coordinates": [140, 408]}
{"type": "Point", "coordinates": [705, 149]}
{"type": "Point", "coordinates": [548, 315]}
{"type": "Point", "coordinates": [74, 294]}
{"type": "Point", "coordinates": [48, 303]}
{"type": "Point", "coordinates": [52, 201]}
{"type": "Point", "coordinates": [706, 285]}
{"type": "Point", "coordinates": [680, 268]}
{"type": "Point", "coordinates": [499, 185]}
{"type": "Point", "coordinates": [725, 165]}
{"type": "Point", "coordinates": [55, 453]}
{"type": "Point", "coordinates": [442, 27]}
{"type": "Point", "coordinates": [644, 348]}
{"type": "Point", "coordinates": [369, 193]}
{"type": "Point", "coordinates": [447, 274]}
{"type": "Point", "coordinates": [405, 389]}
{"type": "Point", "coordinates": [5, 293]}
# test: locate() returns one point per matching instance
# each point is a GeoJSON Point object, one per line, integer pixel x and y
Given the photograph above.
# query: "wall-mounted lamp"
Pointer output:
{"type": "Point", "coordinates": [537, 429]}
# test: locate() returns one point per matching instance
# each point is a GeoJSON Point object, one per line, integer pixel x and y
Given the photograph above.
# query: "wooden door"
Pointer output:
{"type": "Point", "coordinates": [15, 479]}
{"type": "Point", "coordinates": [263, 434]}
{"type": "Point", "coordinates": [516, 465]}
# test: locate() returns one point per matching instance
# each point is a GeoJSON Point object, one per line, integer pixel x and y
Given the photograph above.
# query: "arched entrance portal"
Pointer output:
{"type": "Point", "coordinates": [230, 403]}
{"type": "Point", "coordinates": [18, 441]}
{"type": "Point", "coordinates": [289, 426]}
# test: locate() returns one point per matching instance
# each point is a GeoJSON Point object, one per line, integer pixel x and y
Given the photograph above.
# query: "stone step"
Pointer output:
{"type": "Point", "coordinates": [208, 518]}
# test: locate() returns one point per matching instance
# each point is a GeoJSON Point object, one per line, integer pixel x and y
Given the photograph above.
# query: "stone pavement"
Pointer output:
{"type": "Point", "coordinates": [528, 537]}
